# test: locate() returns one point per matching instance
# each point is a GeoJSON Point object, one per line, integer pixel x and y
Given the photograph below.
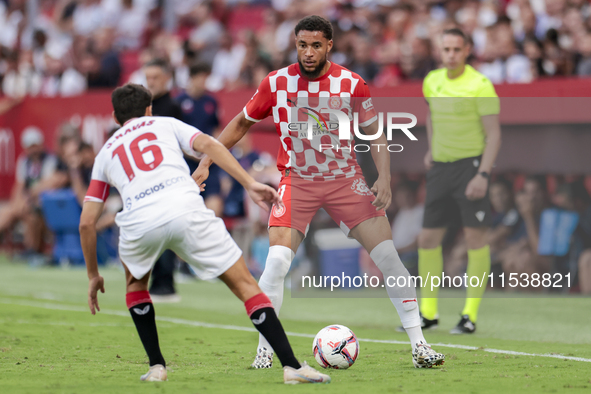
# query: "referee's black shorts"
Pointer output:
{"type": "Point", "coordinates": [446, 195]}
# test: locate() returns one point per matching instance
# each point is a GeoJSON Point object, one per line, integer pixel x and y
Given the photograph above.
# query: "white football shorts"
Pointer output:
{"type": "Point", "coordinates": [198, 237]}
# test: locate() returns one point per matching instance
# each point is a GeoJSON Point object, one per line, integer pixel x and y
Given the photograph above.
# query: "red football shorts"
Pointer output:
{"type": "Point", "coordinates": [346, 200]}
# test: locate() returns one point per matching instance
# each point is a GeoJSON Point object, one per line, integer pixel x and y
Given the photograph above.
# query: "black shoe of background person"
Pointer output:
{"type": "Point", "coordinates": [426, 324]}
{"type": "Point", "coordinates": [465, 326]}
{"type": "Point", "coordinates": [162, 287]}
{"type": "Point", "coordinates": [186, 270]}
{"type": "Point", "coordinates": [163, 294]}
{"type": "Point", "coordinates": [164, 298]}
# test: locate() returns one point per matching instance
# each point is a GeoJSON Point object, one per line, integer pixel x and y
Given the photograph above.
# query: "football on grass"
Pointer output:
{"type": "Point", "coordinates": [335, 347]}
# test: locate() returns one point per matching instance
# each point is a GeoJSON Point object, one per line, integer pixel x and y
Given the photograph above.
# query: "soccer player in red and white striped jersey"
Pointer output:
{"type": "Point", "coordinates": [320, 171]}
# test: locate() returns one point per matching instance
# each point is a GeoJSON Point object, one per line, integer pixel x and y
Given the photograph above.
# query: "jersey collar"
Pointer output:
{"type": "Point", "coordinates": [467, 70]}
{"type": "Point", "coordinates": [130, 120]}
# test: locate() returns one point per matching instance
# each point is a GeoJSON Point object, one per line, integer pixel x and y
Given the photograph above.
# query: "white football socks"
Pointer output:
{"type": "Point", "coordinates": [271, 283]}
{"type": "Point", "coordinates": [404, 298]}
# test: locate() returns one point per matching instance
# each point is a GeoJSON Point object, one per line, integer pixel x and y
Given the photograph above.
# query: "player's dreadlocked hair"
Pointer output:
{"type": "Point", "coordinates": [315, 23]}
{"type": "Point", "coordinates": [130, 101]}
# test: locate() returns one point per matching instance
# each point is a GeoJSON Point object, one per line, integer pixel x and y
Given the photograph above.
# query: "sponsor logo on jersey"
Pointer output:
{"type": "Point", "coordinates": [128, 203]}
{"type": "Point", "coordinates": [360, 187]}
{"type": "Point", "coordinates": [158, 187]}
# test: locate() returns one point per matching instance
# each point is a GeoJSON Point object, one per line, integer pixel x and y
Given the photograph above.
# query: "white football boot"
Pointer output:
{"type": "Point", "coordinates": [425, 357]}
{"type": "Point", "coordinates": [306, 374]}
{"type": "Point", "coordinates": [157, 373]}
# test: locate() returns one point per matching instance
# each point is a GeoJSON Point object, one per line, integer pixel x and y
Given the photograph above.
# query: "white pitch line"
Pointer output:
{"type": "Point", "coordinates": [72, 308]}
{"type": "Point", "coordinates": [67, 324]}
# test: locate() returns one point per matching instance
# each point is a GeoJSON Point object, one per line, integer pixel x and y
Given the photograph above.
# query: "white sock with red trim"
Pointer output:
{"type": "Point", "coordinates": [271, 282]}
{"type": "Point", "coordinates": [403, 297]}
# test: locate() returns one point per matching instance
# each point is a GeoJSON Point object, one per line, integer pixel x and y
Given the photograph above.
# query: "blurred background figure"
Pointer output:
{"type": "Point", "coordinates": [507, 225]}
{"type": "Point", "coordinates": [226, 63]}
{"type": "Point", "coordinates": [33, 171]}
{"type": "Point", "coordinates": [200, 109]}
{"type": "Point", "coordinates": [235, 205]}
{"type": "Point", "coordinates": [521, 256]}
{"type": "Point", "coordinates": [108, 67]}
{"type": "Point", "coordinates": [565, 233]}
{"type": "Point", "coordinates": [159, 82]}
{"type": "Point", "coordinates": [206, 37]}
{"type": "Point", "coordinates": [407, 224]}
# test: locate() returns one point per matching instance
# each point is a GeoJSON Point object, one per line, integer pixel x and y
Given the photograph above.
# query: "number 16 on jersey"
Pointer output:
{"type": "Point", "coordinates": [139, 155]}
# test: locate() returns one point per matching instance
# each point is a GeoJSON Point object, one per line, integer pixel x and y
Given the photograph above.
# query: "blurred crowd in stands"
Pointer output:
{"type": "Point", "coordinates": [64, 47]}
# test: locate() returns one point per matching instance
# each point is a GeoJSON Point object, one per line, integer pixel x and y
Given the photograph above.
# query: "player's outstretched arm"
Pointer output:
{"type": "Point", "coordinates": [260, 194]}
{"type": "Point", "coordinates": [91, 211]}
{"type": "Point", "coordinates": [231, 134]}
{"type": "Point", "coordinates": [381, 158]}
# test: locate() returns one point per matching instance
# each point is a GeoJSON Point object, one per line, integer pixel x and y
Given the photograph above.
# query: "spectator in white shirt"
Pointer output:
{"type": "Point", "coordinates": [89, 15]}
{"type": "Point", "coordinates": [206, 37]}
{"type": "Point", "coordinates": [226, 64]}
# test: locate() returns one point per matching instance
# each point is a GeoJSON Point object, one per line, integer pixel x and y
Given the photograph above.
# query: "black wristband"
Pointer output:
{"type": "Point", "coordinates": [485, 174]}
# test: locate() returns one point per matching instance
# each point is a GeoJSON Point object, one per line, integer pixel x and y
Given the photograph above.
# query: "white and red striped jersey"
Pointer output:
{"type": "Point", "coordinates": [144, 161]}
{"type": "Point", "coordinates": [338, 89]}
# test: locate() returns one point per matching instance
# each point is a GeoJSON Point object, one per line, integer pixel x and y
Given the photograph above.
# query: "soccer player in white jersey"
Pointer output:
{"type": "Point", "coordinates": [315, 177]}
{"type": "Point", "coordinates": [163, 210]}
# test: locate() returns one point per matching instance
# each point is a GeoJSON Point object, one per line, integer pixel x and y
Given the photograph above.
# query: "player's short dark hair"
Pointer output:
{"type": "Point", "coordinates": [315, 23]}
{"type": "Point", "coordinates": [199, 68]}
{"type": "Point", "coordinates": [454, 31]}
{"type": "Point", "coordinates": [130, 101]}
{"type": "Point", "coordinates": [162, 63]}
{"type": "Point", "coordinates": [85, 146]}
{"type": "Point", "coordinates": [540, 179]}
{"type": "Point", "coordinates": [502, 181]}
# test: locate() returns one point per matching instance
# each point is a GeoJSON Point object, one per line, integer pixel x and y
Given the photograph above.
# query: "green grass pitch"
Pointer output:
{"type": "Point", "coordinates": [50, 343]}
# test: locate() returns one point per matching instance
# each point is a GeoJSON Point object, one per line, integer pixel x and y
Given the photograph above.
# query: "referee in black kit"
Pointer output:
{"type": "Point", "coordinates": [158, 78]}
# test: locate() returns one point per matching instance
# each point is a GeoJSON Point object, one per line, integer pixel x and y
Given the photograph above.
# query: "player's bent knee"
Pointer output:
{"type": "Point", "coordinates": [387, 260]}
